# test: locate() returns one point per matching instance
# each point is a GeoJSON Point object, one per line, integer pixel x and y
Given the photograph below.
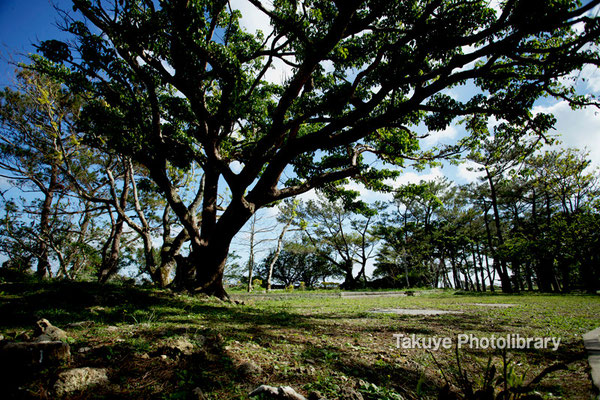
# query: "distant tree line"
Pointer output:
{"type": "Point", "coordinates": [530, 222]}
{"type": "Point", "coordinates": [536, 226]}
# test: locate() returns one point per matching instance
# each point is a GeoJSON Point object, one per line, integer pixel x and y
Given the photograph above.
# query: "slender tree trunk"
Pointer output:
{"type": "Point", "coordinates": [110, 265]}
{"type": "Point", "coordinates": [528, 274]}
{"type": "Point", "coordinates": [496, 265]}
{"type": "Point", "coordinates": [455, 273]}
{"type": "Point", "coordinates": [406, 271]}
{"type": "Point", "coordinates": [545, 265]}
{"type": "Point", "coordinates": [251, 254]}
{"type": "Point", "coordinates": [442, 270]}
{"type": "Point", "coordinates": [516, 267]}
{"type": "Point", "coordinates": [503, 270]}
{"type": "Point", "coordinates": [477, 285]}
{"type": "Point", "coordinates": [467, 273]}
{"type": "Point", "coordinates": [474, 256]}
{"type": "Point", "coordinates": [556, 284]}
{"type": "Point", "coordinates": [168, 258]}
{"type": "Point", "coordinates": [43, 258]}
{"type": "Point", "coordinates": [491, 272]}
{"type": "Point", "coordinates": [565, 272]}
{"type": "Point", "coordinates": [480, 260]}
{"type": "Point", "coordinates": [277, 252]}
{"type": "Point", "coordinates": [250, 268]}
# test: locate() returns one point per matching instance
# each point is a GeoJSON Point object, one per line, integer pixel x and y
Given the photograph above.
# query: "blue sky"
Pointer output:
{"type": "Point", "coordinates": [23, 23]}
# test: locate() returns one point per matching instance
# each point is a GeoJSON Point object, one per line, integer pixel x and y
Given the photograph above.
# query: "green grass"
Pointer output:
{"type": "Point", "coordinates": [307, 342]}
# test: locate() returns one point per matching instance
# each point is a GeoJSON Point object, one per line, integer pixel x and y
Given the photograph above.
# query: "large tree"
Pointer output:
{"type": "Point", "coordinates": [181, 82]}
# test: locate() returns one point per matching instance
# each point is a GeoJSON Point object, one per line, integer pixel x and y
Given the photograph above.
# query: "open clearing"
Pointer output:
{"type": "Point", "coordinates": [311, 343]}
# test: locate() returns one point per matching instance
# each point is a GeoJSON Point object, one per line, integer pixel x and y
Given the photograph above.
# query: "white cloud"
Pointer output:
{"type": "Point", "coordinates": [236, 167]}
{"type": "Point", "coordinates": [495, 4]}
{"type": "Point", "coordinates": [307, 196]}
{"type": "Point", "coordinates": [252, 18]}
{"type": "Point", "coordinates": [270, 212]}
{"type": "Point", "coordinates": [467, 171]}
{"type": "Point", "coordinates": [440, 137]}
{"type": "Point", "coordinates": [279, 73]}
{"type": "Point", "coordinates": [5, 183]}
{"type": "Point", "coordinates": [594, 12]}
{"type": "Point", "coordinates": [577, 128]}
{"type": "Point", "coordinates": [591, 75]}
{"type": "Point", "coordinates": [367, 195]}
{"type": "Point", "coordinates": [416, 177]}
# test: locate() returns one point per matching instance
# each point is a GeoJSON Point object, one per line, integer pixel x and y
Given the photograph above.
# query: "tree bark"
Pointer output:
{"type": "Point", "coordinates": [43, 258]}
{"type": "Point", "coordinates": [502, 270]}
{"type": "Point", "coordinates": [480, 260]}
{"type": "Point", "coordinates": [277, 252]}
{"type": "Point", "coordinates": [209, 264]}
{"type": "Point", "coordinates": [251, 255]}
{"type": "Point", "coordinates": [110, 264]}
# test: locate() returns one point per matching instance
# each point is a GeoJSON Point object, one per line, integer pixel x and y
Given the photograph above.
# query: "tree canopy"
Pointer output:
{"type": "Point", "coordinates": [180, 83]}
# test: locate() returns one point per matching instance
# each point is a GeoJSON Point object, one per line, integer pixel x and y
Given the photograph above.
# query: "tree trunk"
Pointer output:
{"type": "Point", "coordinates": [110, 264]}
{"type": "Point", "coordinates": [251, 255]}
{"type": "Point", "coordinates": [210, 266]}
{"type": "Point", "coordinates": [480, 260]}
{"type": "Point", "coordinates": [518, 280]}
{"type": "Point", "coordinates": [43, 265]}
{"type": "Point", "coordinates": [168, 258]}
{"type": "Point", "coordinates": [497, 263]}
{"type": "Point", "coordinates": [474, 256]}
{"type": "Point", "coordinates": [565, 272]}
{"type": "Point", "coordinates": [277, 252]}
{"type": "Point", "coordinates": [503, 270]}
{"type": "Point", "coordinates": [491, 272]}
{"type": "Point", "coordinates": [455, 273]}
{"type": "Point", "coordinates": [528, 273]}
{"type": "Point", "coordinates": [405, 262]}
{"type": "Point", "coordinates": [590, 274]}
{"type": "Point", "coordinates": [349, 281]}
{"type": "Point", "coordinates": [209, 258]}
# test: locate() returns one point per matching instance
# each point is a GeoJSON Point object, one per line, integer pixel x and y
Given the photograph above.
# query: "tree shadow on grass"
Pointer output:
{"type": "Point", "coordinates": [143, 318]}
{"type": "Point", "coordinates": [65, 303]}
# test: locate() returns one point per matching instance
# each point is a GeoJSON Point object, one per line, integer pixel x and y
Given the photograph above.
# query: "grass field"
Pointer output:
{"type": "Point", "coordinates": [333, 345]}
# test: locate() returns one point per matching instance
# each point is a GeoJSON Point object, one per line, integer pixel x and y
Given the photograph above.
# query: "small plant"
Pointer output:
{"type": "Point", "coordinates": [289, 288]}
{"type": "Point", "coordinates": [143, 317]}
{"type": "Point", "coordinates": [302, 286]}
{"type": "Point", "coordinates": [257, 283]}
{"type": "Point", "coordinates": [491, 384]}
{"type": "Point", "coordinates": [370, 390]}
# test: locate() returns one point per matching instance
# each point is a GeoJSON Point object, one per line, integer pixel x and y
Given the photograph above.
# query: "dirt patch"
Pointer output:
{"type": "Point", "coordinates": [497, 305]}
{"type": "Point", "coordinates": [410, 311]}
